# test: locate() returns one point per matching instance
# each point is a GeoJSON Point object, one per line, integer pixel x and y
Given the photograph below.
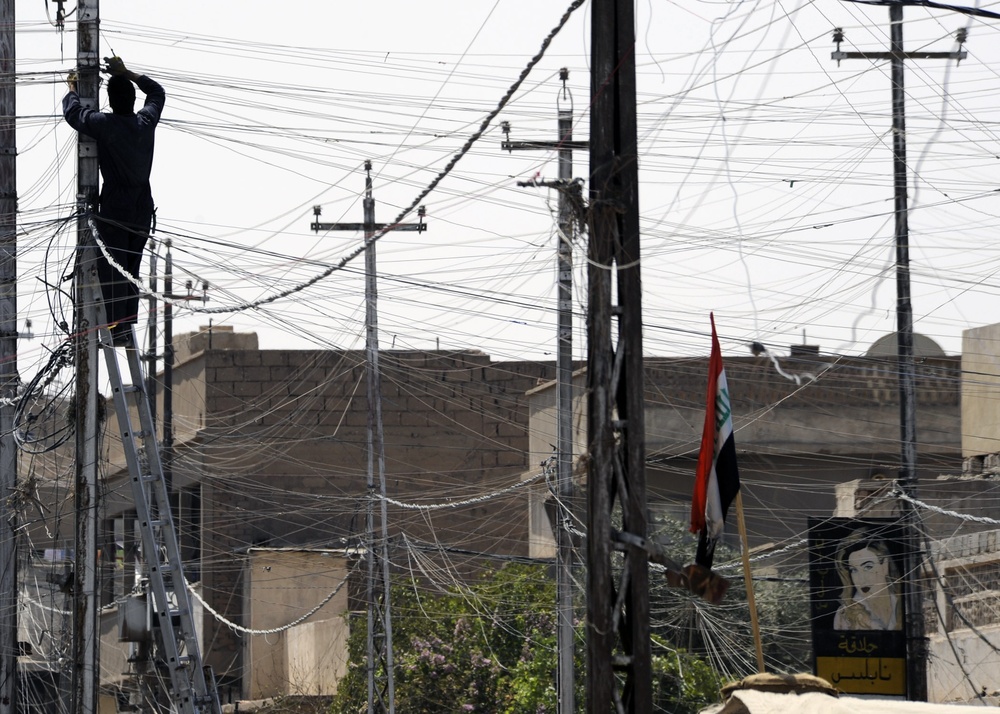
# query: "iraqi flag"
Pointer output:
{"type": "Point", "coordinates": [718, 478]}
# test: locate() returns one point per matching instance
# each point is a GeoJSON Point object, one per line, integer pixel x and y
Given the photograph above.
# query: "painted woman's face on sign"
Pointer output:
{"type": "Point", "coordinates": [869, 571]}
{"type": "Point", "coordinates": [870, 595]}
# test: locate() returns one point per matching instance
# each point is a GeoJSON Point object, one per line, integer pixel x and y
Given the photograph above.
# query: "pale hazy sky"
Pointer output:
{"type": "Point", "coordinates": [766, 168]}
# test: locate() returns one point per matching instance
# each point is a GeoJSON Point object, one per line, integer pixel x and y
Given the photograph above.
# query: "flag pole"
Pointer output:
{"type": "Point", "coordinates": [751, 601]}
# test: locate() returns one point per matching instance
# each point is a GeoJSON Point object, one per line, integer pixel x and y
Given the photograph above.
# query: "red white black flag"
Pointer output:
{"type": "Point", "coordinates": [718, 478]}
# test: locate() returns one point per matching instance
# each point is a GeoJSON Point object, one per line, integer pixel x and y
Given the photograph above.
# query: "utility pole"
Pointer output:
{"type": "Point", "coordinates": [916, 640]}
{"type": "Point", "coordinates": [564, 144]}
{"type": "Point", "coordinates": [618, 643]}
{"type": "Point", "coordinates": [381, 686]}
{"type": "Point", "coordinates": [151, 356]}
{"type": "Point", "coordinates": [87, 297]}
{"type": "Point", "coordinates": [8, 361]}
{"type": "Point", "coordinates": [167, 445]}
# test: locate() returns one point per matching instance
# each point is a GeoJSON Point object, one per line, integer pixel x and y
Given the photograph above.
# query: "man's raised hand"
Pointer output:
{"type": "Point", "coordinates": [115, 66]}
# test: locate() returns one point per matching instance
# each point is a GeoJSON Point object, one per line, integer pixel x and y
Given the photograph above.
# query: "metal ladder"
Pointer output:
{"type": "Point", "coordinates": [192, 686]}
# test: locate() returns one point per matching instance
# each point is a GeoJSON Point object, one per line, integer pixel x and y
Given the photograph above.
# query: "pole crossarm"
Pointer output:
{"type": "Point", "coordinates": [543, 145]}
{"type": "Point", "coordinates": [558, 184]}
{"type": "Point", "coordinates": [917, 54]}
{"type": "Point", "coordinates": [367, 226]}
{"type": "Point", "coordinates": [696, 579]}
{"type": "Point", "coordinates": [417, 227]}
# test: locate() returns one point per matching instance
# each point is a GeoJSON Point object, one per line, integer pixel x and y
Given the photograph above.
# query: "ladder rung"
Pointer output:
{"type": "Point", "coordinates": [175, 622]}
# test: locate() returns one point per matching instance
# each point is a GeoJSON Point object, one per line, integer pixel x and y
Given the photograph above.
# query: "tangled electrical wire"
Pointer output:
{"type": "Point", "coordinates": [43, 412]}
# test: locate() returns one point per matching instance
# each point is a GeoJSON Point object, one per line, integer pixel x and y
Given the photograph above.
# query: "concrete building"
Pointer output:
{"type": "Point", "coordinates": [271, 454]}
{"type": "Point", "coordinates": [270, 457]}
{"type": "Point", "coordinates": [270, 468]}
{"type": "Point", "coordinates": [960, 514]}
{"type": "Point", "coordinates": [820, 436]}
{"type": "Point", "coordinates": [803, 425]}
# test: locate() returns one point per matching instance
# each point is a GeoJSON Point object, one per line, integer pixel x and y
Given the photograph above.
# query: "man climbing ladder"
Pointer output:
{"type": "Point", "coordinates": [125, 207]}
{"type": "Point", "coordinates": [122, 222]}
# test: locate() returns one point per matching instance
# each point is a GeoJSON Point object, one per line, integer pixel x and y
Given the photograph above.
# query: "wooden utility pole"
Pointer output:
{"type": "Point", "coordinates": [8, 362]}
{"type": "Point", "coordinates": [381, 682]}
{"type": "Point", "coordinates": [564, 144]}
{"type": "Point", "coordinates": [86, 297]}
{"type": "Point", "coordinates": [618, 643]}
{"type": "Point", "coordinates": [916, 640]}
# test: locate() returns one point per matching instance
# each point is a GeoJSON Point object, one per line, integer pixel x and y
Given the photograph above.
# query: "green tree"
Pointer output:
{"type": "Point", "coordinates": [682, 683]}
{"type": "Point", "coordinates": [491, 647]}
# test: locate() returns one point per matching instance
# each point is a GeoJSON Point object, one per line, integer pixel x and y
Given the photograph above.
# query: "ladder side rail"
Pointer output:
{"type": "Point", "coordinates": [181, 679]}
{"type": "Point", "coordinates": [168, 531]}
{"type": "Point", "coordinates": [204, 685]}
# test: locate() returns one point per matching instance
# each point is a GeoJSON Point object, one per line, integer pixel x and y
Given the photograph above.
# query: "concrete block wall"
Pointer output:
{"type": "Point", "coordinates": [849, 406]}
{"type": "Point", "coordinates": [858, 381]}
{"type": "Point", "coordinates": [281, 457]}
{"type": "Point", "coordinates": [450, 421]}
{"type": "Point", "coordinates": [968, 496]}
{"type": "Point", "coordinates": [838, 422]}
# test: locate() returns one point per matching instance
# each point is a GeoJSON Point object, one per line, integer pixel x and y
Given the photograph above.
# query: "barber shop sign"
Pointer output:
{"type": "Point", "coordinates": [857, 600]}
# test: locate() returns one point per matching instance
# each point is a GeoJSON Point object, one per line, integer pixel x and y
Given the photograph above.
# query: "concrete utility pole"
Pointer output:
{"type": "Point", "coordinates": [86, 294]}
{"type": "Point", "coordinates": [381, 686]}
{"type": "Point", "coordinates": [916, 640]}
{"type": "Point", "coordinates": [564, 144]}
{"type": "Point", "coordinates": [151, 355]}
{"type": "Point", "coordinates": [617, 613]}
{"type": "Point", "coordinates": [167, 444]}
{"type": "Point", "coordinates": [8, 361]}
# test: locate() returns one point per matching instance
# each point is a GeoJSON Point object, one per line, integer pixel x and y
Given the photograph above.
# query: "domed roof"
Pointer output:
{"type": "Point", "coordinates": [923, 346]}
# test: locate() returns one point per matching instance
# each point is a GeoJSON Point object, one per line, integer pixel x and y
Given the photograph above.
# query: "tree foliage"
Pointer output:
{"type": "Point", "coordinates": [491, 647]}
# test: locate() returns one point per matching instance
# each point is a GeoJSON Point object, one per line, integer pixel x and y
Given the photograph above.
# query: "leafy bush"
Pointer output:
{"type": "Point", "coordinates": [491, 647]}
